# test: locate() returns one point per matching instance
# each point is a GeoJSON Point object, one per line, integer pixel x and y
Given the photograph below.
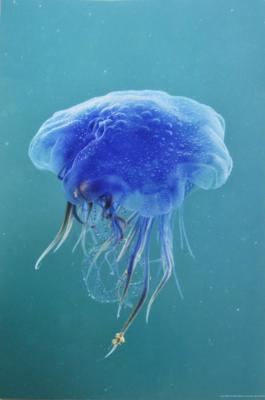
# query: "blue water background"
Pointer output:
{"type": "Point", "coordinates": [57, 53]}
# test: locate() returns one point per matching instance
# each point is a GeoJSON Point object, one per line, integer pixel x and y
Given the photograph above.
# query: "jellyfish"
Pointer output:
{"type": "Point", "coordinates": [127, 162]}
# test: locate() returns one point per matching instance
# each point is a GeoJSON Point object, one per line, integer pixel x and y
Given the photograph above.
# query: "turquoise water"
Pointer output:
{"type": "Point", "coordinates": [53, 337]}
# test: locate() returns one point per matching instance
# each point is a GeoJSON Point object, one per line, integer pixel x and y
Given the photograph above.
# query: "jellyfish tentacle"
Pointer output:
{"type": "Point", "coordinates": [118, 235]}
{"type": "Point", "coordinates": [167, 260]}
{"type": "Point", "coordinates": [65, 234]}
{"type": "Point", "coordinates": [119, 337]}
{"type": "Point", "coordinates": [85, 227]}
{"type": "Point", "coordinates": [112, 349]}
{"type": "Point", "coordinates": [121, 224]}
{"type": "Point", "coordinates": [110, 244]}
{"type": "Point", "coordinates": [131, 217]}
{"type": "Point", "coordinates": [117, 229]}
{"type": "Point", "coordinates": [112, 267]}
{"type": "Point", "coordinates": [183, 233]}
{"type": "Point", "coordinates": [125, 249]}
{"type": "Point", "coordinates": [83, 237]}
{"type": "Point", "coordinates": [121, 220]}
{"type": "Point", "coordinates": [176, 279]}
{"type": "Point", "coordinates": [128, 241]}
{"type": "Point", "coordinates": [106, 202]}
{"type": "Point", "coordinates": [85, 211]}
{"type": "Point", "coordinates": [169, 240]}
{"type": "Point", "coordinates": [104, 247]}
{"type": "Point", "coordinates": [180, 230]}
{"type": "Point", "coordinates": [62, 173]}
{"type": "Point", "coordinates": [61, 235]}
{"type": "Point", "coordinates": [80, 238]}
{"type": "Point", "coordinates": [138, 249]}
{"type": "Point", "coordinates": [133, 260]}
{"type": "Point", "coordinates": [77, 217]}
{"type": "Point", "coordinates": [145, 290]}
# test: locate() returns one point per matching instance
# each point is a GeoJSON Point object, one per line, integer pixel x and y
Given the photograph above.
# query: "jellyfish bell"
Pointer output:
{"type": "Point", "coordinates": [127, 160]}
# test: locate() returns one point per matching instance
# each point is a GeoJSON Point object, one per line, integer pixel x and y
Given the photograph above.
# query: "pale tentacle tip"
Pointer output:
{"type": "Point", "coordinates": [116, 341]}
{"type": "Point", "coordinates": [119, 311]}
{"type": "Point", "coordinates": [37, 265]}
{"type": "Point", "coordinates": [147, 315]}
{"type": "Point", "coordinates": [181, 295]}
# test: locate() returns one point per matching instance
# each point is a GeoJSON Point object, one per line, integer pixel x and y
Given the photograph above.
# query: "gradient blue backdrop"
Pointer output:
{"type": "Point", "coordinates": [56, 53]}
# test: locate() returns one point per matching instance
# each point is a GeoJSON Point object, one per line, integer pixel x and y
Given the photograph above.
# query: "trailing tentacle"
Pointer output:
{"type": "Point", "coordinates": [183, 233]}
{"type": "Point", "coordinates": [145, 282]}
{"type": "Point", "coordinates": [61, 235]}
{"type": "Point", "coordinates": [167, 259]}
{"type": "Point", "coordinates": [136, 255]}
{"type": "Point", "coordinates": [128, 241]}
{"type": "Point", "coordinates": [119, 337]}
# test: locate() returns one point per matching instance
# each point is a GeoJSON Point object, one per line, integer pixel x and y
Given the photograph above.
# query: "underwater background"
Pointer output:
{"type": "Point", "coordinates": [53, 337]}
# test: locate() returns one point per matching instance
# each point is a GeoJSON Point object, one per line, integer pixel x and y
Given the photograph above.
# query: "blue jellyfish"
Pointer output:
{"type": "Point", "coordinates": [127, 161]}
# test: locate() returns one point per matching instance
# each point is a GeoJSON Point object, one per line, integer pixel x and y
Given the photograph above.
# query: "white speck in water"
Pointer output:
{"type": "Point", "coordinates": [6, 144]}
{"type": "Point", "coordinates": [232, 10]}
{"type": "Point", "coordinates": [237, 309]}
